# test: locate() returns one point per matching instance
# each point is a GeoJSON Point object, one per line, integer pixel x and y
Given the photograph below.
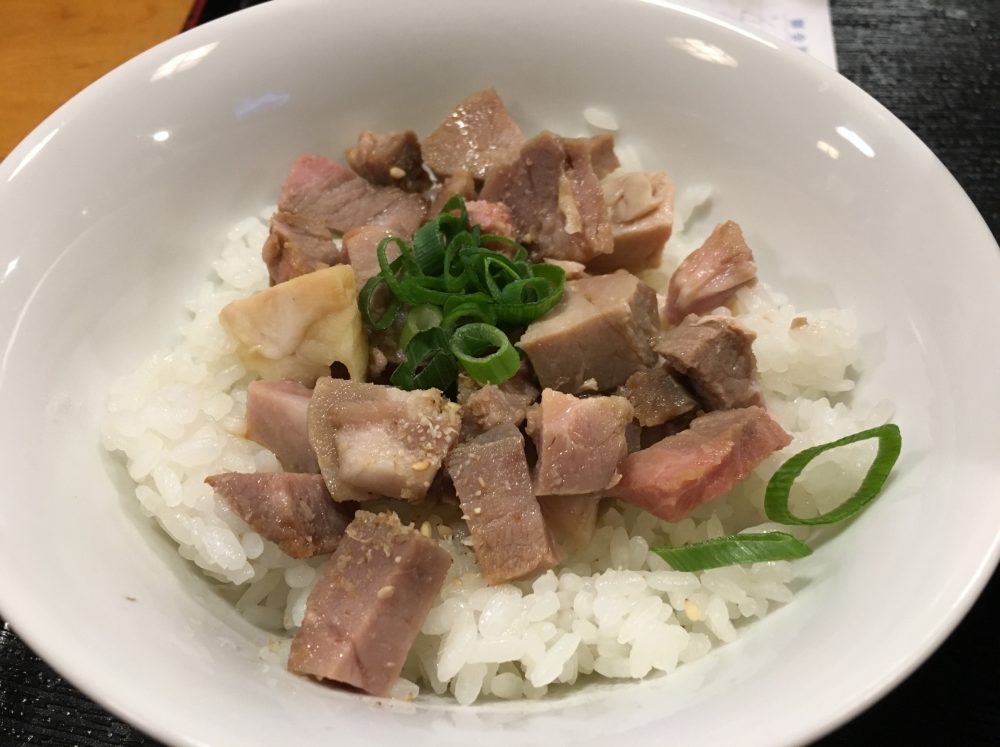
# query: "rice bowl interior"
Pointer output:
{"type": "Point", "coordinates": [138, 224]}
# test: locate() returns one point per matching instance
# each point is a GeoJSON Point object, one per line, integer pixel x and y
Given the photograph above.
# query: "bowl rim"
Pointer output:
{"type": "Point", "coordinates": [104, 690]}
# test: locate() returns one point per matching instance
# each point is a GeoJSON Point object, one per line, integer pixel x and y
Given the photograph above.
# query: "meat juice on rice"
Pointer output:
{"type": "Point", "coordinates": [613, 609]}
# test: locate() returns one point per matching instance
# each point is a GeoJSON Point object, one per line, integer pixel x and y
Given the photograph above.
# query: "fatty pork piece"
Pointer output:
{"type": "Point", "coordinates": [320, 200]}
{"type": "Point", "coordinates": [711, 274]}
{"type": "Point", "coordinates": [571, 518]}
{"type": "Point", "coordinates": [580, 442]}
{"type": "Point", "coordinates": [554, 193]}
{"type": "Point", "coordinates": [276, 419]}
{"type": "Point", "coordinates": [297, 329]}
{"type": "Point", "coordinates": [672, 477]}
{"type": "Point", "coordinates": [367, 607]}
{"type": "Point", "coordinates": [486, 407]}
{"type": "Point", "coordinates": [389, 158]}
{"type": "Point", "coordinates": [292, 510]}
{"type": "Point", "coordinates": [641, 211]}
{"type": "Point", "coordinates": [373, 440]}
{"type": "Point", "coordinates": [491, 477]}
{"type": "Point", "coordinates": [476, 136]}
{"type": "Point", "coordinates": [656, 396]}
{"type": "Point", "coordinates": [601, 330]}
{"type": "Point", "coordinates": [715, 356]}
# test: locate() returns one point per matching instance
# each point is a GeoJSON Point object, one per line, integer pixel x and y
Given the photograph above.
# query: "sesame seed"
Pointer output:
{"type": "Point", "coordinates": [692, 610]}
{"type": "Point", "coordinates": [425, 529]}
{"type": "Point", "coordinates": [420, 466]}
{"type": "Point", "coordinates": [386, 591]}
{"type": "Point", "coordinates": [396, 173]}
{"type": "Point", "coordinates": [477, 510]}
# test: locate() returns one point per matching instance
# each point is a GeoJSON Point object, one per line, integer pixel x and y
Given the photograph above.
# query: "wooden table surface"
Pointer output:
{"type": "Point", "coordinates": [52, 49]}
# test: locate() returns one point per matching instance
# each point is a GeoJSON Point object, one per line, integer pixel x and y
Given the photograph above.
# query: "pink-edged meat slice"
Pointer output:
{"type": "Point", "coordinates": [509, 536]}
{"type": "Point", "coordinates": [321, 200]}
{"type": "Point", "coordinates": [368, 605]}
{"type": "Point", "coordinates": [276, 419]}
{"type": "Point", "coordinates": [373, 440]}
{"type": "Point", "coordinates": [292, 510]}
{"type": "Point", "coordinates": [580, 442]}
{"type": "Point", "coordinates": [672, 477]}
{"type": "Point", "coordinates": [711, 274]}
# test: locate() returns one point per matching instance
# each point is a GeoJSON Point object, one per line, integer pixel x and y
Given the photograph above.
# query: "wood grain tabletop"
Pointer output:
{"type": "Point", "coordinates": [53, 49]}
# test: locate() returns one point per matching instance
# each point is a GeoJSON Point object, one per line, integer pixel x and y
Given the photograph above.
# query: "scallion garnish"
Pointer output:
{"type": "Point", "coordinates": [736, 549]}
{"type": "Point", "coordinates": [452, 277]}
{"type": "Point", "coordinates": [485, 353]}
{"type": "Point", "coordinates": [780, 485]}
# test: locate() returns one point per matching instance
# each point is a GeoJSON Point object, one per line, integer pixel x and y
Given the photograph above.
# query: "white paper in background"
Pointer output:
{"type": "Point", "coordinates": [804, 23]}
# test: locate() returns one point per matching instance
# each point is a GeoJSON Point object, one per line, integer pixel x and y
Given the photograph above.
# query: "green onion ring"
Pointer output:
{"type": "Point", "coordinates": [470, 344]}
{"type": "Point", "coordinates": [420, 318]}
{"type": "Point", "coordinates": [780, 485]}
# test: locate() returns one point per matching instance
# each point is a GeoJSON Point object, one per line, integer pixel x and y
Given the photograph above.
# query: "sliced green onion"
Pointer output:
{"type": "Point", "coordinates": [429, 248]}
{"type": "Point", "coordinates": [429, 364]}
{"type": "Point", "coordinates": [485, 353]}
{"type": "Point", "coordinates": [369, 294]}
{"type": "Point", "coordinates": [520, 253]}
{"type": "Point", "coordinates": [419, 319]}
{"type": "Point", "coordinates": [780, 485]}
{"type": "Point", "coordinates": [735, 549]}
{"type": "Point", "coordinates": [467, 312]}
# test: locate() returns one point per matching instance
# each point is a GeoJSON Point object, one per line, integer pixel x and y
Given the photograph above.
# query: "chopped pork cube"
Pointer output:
{"type": "Point", "coordinates": [555, 198]}
{"type": "Point", "coordinates": [641, 210]}
{"type": "Point", "coordinates": [367, 607]}
{"type": "Point", "coordinates": [361, 247]}
{"type": "Point", "coordinates": [491, 477]}
{"type": "Point", "coordinates": [389, 158]}
{"type": "Point", "coordinates": [600, 331]}
{"type": "Point", "coordinates": [672, 477]}
{"type": "Point", "coordinates": [715, 355]}
{"type": "Point", "coordinates": [656, 396]}
{"type": "Point", "coordinates": [321, 199]}
{"type": "Point", "coordinates": [297, 329]}
{"type": "Point", "coordinates": [276, 419]}
{"type": "Point", "coordinates": [372, 440]}
{"type": "Point", "coordinates": [292, 510]}
{"type": "Point", "coordinates": [580, 442]}
{"type": "Point", "coordinates": [709, 276]}
{"type": "Point", "coordinates": [486, 407]}
{"type": "Point", "coordinates": [476, 136]}
{"type": "Point", "coordinates": [571, 518]}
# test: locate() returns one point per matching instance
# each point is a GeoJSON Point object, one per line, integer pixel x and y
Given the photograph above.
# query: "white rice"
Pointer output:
{"type": "Point", "coordinates": [613, 610]}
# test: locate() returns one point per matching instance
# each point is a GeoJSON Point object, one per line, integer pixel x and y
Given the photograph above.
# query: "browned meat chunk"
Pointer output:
{"type": "Point", "coordinates": [276, 419]}
{"type": "Point", "coordinates": [321, 199]}
{"type": "Point", "coordinates": [571, 518]}
{"type": "Point", "coordinates": [711, 274]}
{"type": "Point", "coordinates": [292, 510]}
{"type": "Point", "coordinates": [715, 356]}
{"type": "Point", "coordinates": [580, 442]}
{"type": "Point", "coordinates": [478, 135]}
{"type": "Point", "coordinates": [389, 158]}
{"type": "Point", "coordinates": [491, 405]}
{"type": "Point", "coordinates": [491, 477]}
{"type": "Point", "coordinates": [555, 198]}
{"type": "Point", "coordinates": [695, 466]}
{"type": "Point", "coordinates": [600, 330]}
{"type": "Point", "coordinates": [459, 183]}
{"type": "Point", "coordinates": [360, 246]}
{"type": "Point", "coordinates": [372, 440]}
{"type": "Point", "coordinates": [656, 396]}
{"type": "Point", "coordinates": [491, 217]}
{"type": "Point", "coordinates": [641, 210]}
{"type": "Point", "coordinates": [369, 603]}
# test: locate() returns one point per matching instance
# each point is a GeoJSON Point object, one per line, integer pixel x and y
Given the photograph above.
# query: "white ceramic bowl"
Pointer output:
{"type": "Point", "coordinates": [112, 208]}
